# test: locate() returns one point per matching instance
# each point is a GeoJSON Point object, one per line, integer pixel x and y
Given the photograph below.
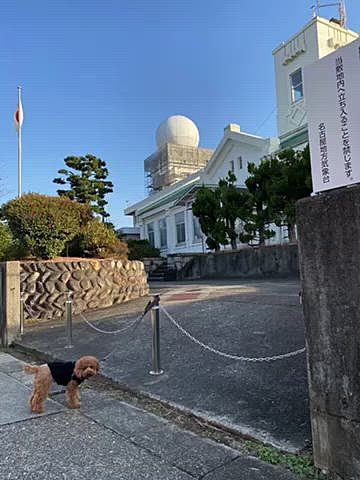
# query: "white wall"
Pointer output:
{"type": "Point", "coordinates": [300, 50]}
{"type": "Point", "coordinates": [317, 39]}
{"type": "Point", "coordinates": [172, 246]}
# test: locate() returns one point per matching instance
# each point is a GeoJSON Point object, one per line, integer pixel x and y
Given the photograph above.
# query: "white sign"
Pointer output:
{"type": "Point", "coordinates": [332, 95]}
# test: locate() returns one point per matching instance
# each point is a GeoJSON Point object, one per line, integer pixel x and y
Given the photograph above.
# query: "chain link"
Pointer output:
{"type": "Point", "coordinates": [112, 332]}
{"type": "Point", "coordinates": [28, 309]}
{"type": "Point", "coordinates": [228, 355]}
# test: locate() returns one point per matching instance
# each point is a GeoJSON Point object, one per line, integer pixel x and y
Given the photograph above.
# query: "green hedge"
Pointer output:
{"type": "Point", "coordinates": [140, 249]}
{"type": "Point", "coordinates": [99, 240]}
{"type": "Point", "coordinates": [45, 225]}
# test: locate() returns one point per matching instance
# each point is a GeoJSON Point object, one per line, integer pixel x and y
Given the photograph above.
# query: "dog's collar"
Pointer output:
{"type": "Point", "coordinates": [77, 379]}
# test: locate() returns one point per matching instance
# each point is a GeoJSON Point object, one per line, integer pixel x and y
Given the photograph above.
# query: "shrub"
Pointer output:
{"type": "Point", "coordinates": [6, 241]}
{"type": "Point", "coordinates": [100, 241]}
{"type": "Point", "coordinates": [45, 225]}
{"type": "Point", "coordinates": [139, 249]}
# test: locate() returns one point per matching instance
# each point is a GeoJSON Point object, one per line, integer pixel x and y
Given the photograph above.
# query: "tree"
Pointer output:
{"type": "Point", "coordinates": [99, 241]}
{"type": "Point", "coordinates": [276, 184]}
{"type": "Point", "coordinates": [295, 183]}
{"type": "Point", "coordinates": [219, 209]}
{"type": "Point", "coordinates": [89, 185]}
{"type": "Point", "coordinates": [140, 249]}
{"type": "Point", "coordinates": [235, 204]}
{"type": "Point", "coordinates": [260, 217]}
{"type": "Point", "coordinates": [207, 208]}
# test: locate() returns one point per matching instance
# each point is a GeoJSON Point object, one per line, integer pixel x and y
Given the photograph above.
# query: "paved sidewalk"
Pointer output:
{"type": "Point", "coordinates": [107, 439]}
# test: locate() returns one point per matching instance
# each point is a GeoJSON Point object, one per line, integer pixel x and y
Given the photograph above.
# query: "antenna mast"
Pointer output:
{"type": "Point", "coordinates": [342, 10]}
{"type": "Point", "coordinates": [342, 14]}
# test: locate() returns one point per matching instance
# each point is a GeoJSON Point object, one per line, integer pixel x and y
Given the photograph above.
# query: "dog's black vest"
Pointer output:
{"type": "Point", "coordinates": [63, 372]}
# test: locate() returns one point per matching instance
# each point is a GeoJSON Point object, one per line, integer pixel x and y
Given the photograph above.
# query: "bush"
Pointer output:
{"type": "Point", "coordinates": [100, 241]}
{"type": "Point", "coordinates": [139, 249]}
{"type": "Point", "coordinates": [6, 241]}
{"type": "Point", "coordinates": [45, 225]}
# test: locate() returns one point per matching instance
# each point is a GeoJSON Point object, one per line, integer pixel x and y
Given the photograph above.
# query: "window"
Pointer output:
{"type": "Point", "coordinates": [232, 167]}
{"type": "Point", "coordinates": [180, 227]}
{"type": "Point", "coordinates": [240, 162]}
{"type": "Point", "coordinates": [163, 233]}
{"type": "Point", "coordinates": [197, 230]}
{"type": "Point", "coordinates": [296, 84]}
{"type": "Point", "coordinates": [151, 234]}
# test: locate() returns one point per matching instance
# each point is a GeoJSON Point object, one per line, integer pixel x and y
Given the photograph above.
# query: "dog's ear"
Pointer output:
{"type": "Point", "coordinates": [79, 368]}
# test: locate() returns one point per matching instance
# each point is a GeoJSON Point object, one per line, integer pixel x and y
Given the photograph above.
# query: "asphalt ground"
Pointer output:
{"type": "Point", "coordinates": [267, 401]}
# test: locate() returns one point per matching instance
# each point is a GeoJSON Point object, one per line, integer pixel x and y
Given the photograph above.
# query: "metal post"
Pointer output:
{"type": "Point", "coordinates": [155, 323]}
{"type": "Point", "coordinates": [21, 315]}
{"type": "Point", "coordinates": [68, 315]}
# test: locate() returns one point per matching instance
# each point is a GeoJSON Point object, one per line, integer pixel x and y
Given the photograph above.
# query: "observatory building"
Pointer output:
{"type": "Point", "coordinates": [178, 168]}
{"type": "Point", "coordinates": [178, 154]}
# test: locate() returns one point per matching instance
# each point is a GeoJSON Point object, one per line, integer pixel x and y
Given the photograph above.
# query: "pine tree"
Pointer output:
{"type": "Point", "coordinates": [89, 185]}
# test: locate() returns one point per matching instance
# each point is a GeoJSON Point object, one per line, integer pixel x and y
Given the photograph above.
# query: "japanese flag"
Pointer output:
{"type": "Point", "coordinates": [19, 116]}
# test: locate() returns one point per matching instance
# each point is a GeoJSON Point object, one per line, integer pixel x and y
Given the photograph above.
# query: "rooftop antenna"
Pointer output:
{"type": "Point", "coordinates": [341, 6]}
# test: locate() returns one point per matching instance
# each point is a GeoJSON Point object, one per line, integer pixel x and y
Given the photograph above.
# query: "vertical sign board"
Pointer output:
{"type": "Point", "coordinates": [332, 96]}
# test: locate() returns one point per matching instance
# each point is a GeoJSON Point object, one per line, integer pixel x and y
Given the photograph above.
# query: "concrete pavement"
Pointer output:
{"type": "Point", "coordinates": [107, 439]}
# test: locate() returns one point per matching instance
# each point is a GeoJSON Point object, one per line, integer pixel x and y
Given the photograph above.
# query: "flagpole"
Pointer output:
{"type": "Point", "coordinates": [19, 148]}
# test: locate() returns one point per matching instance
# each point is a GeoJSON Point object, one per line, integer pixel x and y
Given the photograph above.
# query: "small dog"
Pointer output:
{"type": "Point", "coordinates": [69, 374]}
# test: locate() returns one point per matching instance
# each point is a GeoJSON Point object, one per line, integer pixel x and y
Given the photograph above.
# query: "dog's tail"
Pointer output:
{"type": "Point", "coordinates": [30, 369]}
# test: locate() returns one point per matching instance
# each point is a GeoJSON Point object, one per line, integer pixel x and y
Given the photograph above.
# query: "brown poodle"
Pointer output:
{"type": "Point", "coordinates": [69, 374]}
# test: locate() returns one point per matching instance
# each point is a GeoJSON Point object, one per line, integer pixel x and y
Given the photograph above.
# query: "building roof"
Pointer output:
{"type": "Point", "coordinates": [167, 195]}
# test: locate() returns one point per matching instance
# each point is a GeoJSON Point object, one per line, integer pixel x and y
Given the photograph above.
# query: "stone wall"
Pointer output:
{"type": "Point", "coordinates": [329, 232]}
{"type": "Point", "coordinates": [152, 263]}
{"type": "Point", "coordinates": [94, 284]}
{"type": "Point", "coordinates": [252, 262]}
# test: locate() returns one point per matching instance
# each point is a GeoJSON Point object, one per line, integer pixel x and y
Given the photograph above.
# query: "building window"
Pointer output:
{"type": "Point", "coordinates": [180, 227]}
{"type": "Point", "coordinates": [197, 230]}
{"type": "Point", "coordinates": [163, 233]}
{"type": "Point", "coordinates": [296, 84]}
{"type": "Point", "coordinates": [240, 162]}
{"type": "Point", "coordinates": [151, 234]}
{"type": "Point", "coordinates": [232, 167]}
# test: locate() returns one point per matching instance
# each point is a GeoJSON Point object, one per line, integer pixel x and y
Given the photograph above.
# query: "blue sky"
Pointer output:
{"type": "Point", "coordinates": [99, 76]}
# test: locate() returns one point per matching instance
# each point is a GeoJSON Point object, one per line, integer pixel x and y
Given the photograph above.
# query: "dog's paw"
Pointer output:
{"type": "Point", "coordinates": [38, 410]}
{"type": "Point", "coordinates": [75, 405]}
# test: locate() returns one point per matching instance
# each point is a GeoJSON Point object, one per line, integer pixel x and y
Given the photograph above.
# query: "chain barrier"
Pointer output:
{"type": "Point", "coordinates": [28, 309]}
{"type": "Point", "coordinates": [228, 355]}
{"type": "Point", "coordinates": [112, 332]}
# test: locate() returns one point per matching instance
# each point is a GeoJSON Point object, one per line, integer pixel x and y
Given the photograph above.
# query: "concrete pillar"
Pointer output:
{"type": "Point", "coordinates": [329, 249]}
{"type": "Point", "coordinates": [9, 302]}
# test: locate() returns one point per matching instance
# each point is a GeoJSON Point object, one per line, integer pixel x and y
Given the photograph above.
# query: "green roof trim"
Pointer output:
{"type": "Point", "coordinates": [169, 198]}
{"type": "Point", "coordinates": [295, 140]}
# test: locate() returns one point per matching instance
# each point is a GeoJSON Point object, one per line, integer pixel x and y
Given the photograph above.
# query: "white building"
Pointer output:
{"type": "Point", "coordinates": [318, 38]}
{"type": "Point", "coordinates": [165, 217]}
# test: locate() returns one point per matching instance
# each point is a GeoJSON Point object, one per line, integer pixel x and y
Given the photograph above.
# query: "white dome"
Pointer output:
{"type": "Point", "coordinates": [179, 130]}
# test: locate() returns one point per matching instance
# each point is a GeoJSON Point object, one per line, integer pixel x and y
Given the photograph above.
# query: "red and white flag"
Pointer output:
{"type": "Point", "coordinates": [19, 116]}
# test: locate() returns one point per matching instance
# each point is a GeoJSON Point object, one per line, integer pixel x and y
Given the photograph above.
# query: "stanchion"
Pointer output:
{"type": "Point", "coordinates": [155, 323]}
{"type": "Point", "coordinates": [68, 314]}
{"type": "Point", "coordinates": [21, 315]}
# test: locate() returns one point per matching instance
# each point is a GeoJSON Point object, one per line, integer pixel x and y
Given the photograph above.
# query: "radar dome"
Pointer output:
{"type": "Point", "coordinates": [179, 130]}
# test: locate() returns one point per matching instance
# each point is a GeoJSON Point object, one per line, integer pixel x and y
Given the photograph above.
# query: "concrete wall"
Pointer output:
{"type": "Point", "coordinates": [94, 284]}
{"type": "Point", "coordinates": [329, 233]}
{"type": "Point", "coordinates": [9, 302]}
{"type": "Point", "coordinates": [271, 261]}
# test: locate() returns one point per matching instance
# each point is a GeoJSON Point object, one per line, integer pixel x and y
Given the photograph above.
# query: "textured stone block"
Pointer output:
{"type": "Point", "coordinates": [94, 283]}
{"type": "Point", "coordinates": [329, 247]}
